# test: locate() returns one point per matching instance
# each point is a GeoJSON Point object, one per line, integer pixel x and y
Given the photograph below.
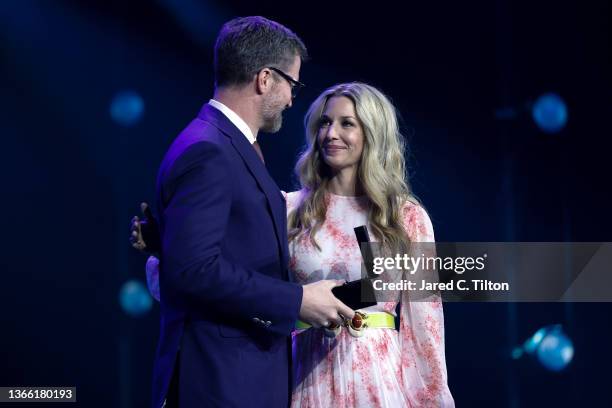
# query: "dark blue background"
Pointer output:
{"type": "Point", "coordinates": [72, 178]}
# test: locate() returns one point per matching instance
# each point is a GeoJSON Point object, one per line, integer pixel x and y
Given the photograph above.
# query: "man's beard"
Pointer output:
{"type": "Point", "coordinates": [272, 113]}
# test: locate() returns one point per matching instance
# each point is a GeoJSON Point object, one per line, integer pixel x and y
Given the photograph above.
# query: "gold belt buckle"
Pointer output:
{"type": "Point", "coordinates": [356, 326]}
{"type": "Point", "coordinates": [332, 330]}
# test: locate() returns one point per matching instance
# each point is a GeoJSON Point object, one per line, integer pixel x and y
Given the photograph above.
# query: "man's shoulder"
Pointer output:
{"type": "Point", "coordinates": [198, 131]}
{"type": "Point", "coordinates": [198, 138]}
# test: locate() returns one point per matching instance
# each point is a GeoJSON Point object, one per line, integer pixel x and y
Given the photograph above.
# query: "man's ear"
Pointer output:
{"type": "Point", "coordinates": [263, 81]}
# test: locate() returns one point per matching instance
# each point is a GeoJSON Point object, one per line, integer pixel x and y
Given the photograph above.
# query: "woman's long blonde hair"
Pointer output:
{"type": "Point", "coordinates": [381, 171]}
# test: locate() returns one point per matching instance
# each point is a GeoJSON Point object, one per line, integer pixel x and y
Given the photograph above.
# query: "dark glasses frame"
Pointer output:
{"type": "Point", "coordinates": [295, 85]}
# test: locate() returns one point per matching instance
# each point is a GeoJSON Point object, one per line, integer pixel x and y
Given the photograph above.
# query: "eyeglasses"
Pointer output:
{"type": "Point", "coordinates": [295, 85]}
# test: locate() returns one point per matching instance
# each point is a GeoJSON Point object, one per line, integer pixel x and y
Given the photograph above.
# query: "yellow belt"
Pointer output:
{"type": "Point", "coordinates": [378, 320]}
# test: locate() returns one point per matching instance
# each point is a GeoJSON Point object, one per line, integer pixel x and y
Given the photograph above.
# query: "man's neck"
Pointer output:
{"type": "Point", "coordinates": [242, 103]}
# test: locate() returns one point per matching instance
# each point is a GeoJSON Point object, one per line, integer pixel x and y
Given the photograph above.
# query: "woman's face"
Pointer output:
{"type": "Point", "coordinates": [340, 135]}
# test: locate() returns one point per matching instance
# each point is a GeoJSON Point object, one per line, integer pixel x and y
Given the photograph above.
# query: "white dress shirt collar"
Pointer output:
{"type": "Point", "coordinates": [235, 119]}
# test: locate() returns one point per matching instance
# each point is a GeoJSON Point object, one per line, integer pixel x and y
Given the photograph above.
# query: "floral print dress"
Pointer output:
{"type": "Point", "coordinates": [384, 367]}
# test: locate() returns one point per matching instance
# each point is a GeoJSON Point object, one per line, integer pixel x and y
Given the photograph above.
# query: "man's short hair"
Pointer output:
{"type": "Point", "coordinates": [245, 45]}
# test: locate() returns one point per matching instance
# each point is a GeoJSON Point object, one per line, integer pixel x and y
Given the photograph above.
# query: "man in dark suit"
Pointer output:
{"type": "Point", "coordinates": [227, 306]}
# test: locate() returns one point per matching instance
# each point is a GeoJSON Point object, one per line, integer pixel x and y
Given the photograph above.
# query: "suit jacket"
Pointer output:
{"type": "Point", "coordinates": [226, 302]}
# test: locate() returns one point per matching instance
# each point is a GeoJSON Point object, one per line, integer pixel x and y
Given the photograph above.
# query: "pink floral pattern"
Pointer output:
{"type": "Point", "coordinates": [384, 368]}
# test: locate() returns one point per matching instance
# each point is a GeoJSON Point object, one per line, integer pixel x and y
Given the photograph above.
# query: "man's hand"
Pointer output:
{"type": "Point", "coordinates": [144, 234]}
{"type": "Point", "coordinates": [320, 307]}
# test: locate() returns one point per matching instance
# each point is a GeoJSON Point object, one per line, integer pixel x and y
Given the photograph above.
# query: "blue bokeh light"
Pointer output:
{"type": "Point", "coordinates": [532, 343]}
{"type": "Point", "coordinates": [127, 108]}
{"type": "Point", "coordinates": [553, 348]}
{"type": "Point", "coordinates": [549, 112]}
{"type": "Point", "coordinates": [555, 351]}
{"type": "Point", "coordinates": [135, 299]}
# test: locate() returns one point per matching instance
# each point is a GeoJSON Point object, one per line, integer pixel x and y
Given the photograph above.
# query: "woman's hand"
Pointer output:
{"type": "Point", "coordinates": [144, 233]}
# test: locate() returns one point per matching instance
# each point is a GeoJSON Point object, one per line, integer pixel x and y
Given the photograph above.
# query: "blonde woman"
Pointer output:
{"type": "Point", "coordinates": [352, 172]}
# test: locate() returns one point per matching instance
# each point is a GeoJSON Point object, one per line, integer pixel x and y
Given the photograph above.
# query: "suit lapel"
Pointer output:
{"type": "Point", "coordinates": [276, 202]}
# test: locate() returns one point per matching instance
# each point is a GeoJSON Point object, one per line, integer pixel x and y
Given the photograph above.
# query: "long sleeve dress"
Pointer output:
{"type": "Point", "coordinates": [384, 367]}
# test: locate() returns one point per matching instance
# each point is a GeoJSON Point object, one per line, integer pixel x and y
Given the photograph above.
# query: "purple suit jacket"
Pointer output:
{"type": "Point", "coordinates": [226, 303]}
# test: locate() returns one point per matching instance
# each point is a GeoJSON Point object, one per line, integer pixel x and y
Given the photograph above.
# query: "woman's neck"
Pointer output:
{"type": "Point", "coordinates": [345, 183]}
